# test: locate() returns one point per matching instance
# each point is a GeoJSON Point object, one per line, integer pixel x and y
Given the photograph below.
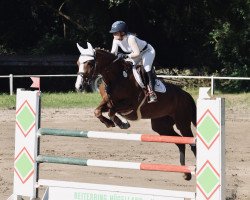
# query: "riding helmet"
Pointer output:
{"type": "Point", "coordinates": [119, 26]}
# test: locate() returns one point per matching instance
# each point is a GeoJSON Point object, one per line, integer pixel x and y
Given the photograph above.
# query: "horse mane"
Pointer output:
{"type": "Point", "coordinates": [102, 50]}
{"type": "Point", "coordinates": [119, 63]}
{"type": "Point", "coordinates": [99, 48]}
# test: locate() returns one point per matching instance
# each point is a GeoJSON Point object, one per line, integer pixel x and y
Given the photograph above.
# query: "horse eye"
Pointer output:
{"type": "Point", "coordinates": [91, 63]}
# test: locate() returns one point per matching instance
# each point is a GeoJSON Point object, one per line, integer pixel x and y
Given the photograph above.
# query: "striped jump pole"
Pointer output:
{"type": "Point", "coordinates": [116, 164]}
{"type": "Point", "coordinates": [209, 170]}
{"type": "Point", "coordinates": [117, 136]}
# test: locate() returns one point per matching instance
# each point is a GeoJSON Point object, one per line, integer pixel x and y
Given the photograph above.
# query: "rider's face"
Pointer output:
{"type": "Point", "coordinates": [118, 35]}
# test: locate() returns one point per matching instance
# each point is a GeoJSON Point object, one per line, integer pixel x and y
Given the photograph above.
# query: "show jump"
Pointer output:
{"type": "Point", "coordinates": [209, 169]}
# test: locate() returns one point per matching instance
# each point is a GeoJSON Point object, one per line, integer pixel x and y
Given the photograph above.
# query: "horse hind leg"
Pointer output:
{"type": "Point", "coordinates": [184, 127]}
{"type": "Point", "coordinates": [164, 126]}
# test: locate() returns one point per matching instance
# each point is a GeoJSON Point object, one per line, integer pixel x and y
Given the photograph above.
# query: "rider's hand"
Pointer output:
{"type": "Point", "coordinates": [122, 56]}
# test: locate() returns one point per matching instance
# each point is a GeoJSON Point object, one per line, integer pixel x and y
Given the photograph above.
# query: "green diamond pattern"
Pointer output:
{"type": "Point", "coordinates": [208, 129]}
{"type": "Point", "coordinates": [208, 180]}
{"type": "Point", "coordinates": [25, 118]}
{"type": "Point", "coordinates": [24, 165]}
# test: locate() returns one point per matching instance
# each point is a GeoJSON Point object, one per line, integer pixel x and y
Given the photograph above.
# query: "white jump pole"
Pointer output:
{"type": "Point", "coordinates": [210, 172]}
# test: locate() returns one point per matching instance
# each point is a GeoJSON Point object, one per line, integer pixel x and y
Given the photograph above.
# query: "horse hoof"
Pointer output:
{"type": "Point", "coordinates": [108, 125]}
{"type": "Point", "coordinates": [125, 126]}
{"type": "Point", "coordinates": [187, 176]}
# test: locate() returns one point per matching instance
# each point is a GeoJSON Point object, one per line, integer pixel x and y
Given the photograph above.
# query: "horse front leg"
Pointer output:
{"type": "Point", "coordinates": [117, 120]}
{"type": "Point", "coordinates": [98, 113]}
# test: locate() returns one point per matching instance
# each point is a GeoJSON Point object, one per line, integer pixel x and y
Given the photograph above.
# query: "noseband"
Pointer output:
{"type": "Point", "coordinates": [82, 73]}
{"type": "Point", "coordinates": [95, 66]}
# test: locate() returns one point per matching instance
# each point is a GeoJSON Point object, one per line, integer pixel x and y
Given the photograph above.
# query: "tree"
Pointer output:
{"type": "Point", "coordinates": [210, 34]}
{"type": "Point", "coordinates": [230, 39]}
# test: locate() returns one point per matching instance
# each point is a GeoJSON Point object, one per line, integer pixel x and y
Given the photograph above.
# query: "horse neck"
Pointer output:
{"type": "Point", "coordinates": [106, 67]}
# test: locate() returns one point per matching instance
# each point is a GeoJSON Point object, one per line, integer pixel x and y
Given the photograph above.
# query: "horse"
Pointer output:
{"type": "Point", "coordinates": [122, 94]}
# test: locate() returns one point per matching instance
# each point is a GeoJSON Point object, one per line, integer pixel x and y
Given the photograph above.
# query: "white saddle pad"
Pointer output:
{"type": "Point", "coordinates": [159, 86]}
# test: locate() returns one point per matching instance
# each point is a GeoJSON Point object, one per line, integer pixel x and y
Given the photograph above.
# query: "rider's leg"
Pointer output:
{"type": "Point", "coordinates": [147, 60]}
{"type": "Point", "coordinates": [151, 86]}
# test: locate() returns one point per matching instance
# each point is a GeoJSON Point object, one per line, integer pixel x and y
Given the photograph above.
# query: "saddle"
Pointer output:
{"type": "Point", "coordinates": [142, 78]}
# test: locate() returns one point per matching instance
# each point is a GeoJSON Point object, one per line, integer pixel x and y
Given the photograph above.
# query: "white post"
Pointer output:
{"type": "Point", "coordinates": [11, 83]}
{"type": "Point", "coordinates": [210, 172]}
{"type": "Point", "coordinates": [212, 85]}
{"type": "Point", "coordinates": [27, 124]}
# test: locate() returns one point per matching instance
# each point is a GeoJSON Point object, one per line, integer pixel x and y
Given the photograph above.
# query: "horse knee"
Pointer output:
{"type": "Point", "coordinates": [182, 149]}
{"type": "Point", "coordinates": [97, 113]}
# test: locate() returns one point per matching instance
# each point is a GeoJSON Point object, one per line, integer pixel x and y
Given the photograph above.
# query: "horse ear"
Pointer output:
{"type": "Point", "coordinates": [80, 48]}
{"type": "Point", "coordinates": [90, 46]}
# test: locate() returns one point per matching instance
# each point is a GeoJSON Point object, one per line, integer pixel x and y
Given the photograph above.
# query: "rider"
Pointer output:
{"type": "Point", "coordinates": [135, 49]}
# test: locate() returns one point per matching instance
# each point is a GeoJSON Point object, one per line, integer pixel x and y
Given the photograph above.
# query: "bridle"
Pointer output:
{"type": "Point", "coordinates": [94, 71]}
{"type": "Point", "coordinates": [88, 80]}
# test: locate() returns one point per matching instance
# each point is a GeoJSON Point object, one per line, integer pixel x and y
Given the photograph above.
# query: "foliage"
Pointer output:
{"type": "Point", "coordinates": [211, 35]}
{"type": "Point", "coordinates": [53, 45]}
{"type": "Point", "coordinates": [185, 83]}
{"type": "Point", "coordinates": [230, 39]}
{"type": "Point", "coordinates": [5, 51]}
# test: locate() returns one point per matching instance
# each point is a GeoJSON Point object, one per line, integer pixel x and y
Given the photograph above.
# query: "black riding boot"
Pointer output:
{"type": "Point", "coordinates": [151, 86]}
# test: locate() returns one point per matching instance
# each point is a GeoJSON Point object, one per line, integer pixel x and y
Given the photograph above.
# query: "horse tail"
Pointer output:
{"type": "Point", "coordinates": [191, 107]}
{"type": "Point", "coordinates": [194, 112]}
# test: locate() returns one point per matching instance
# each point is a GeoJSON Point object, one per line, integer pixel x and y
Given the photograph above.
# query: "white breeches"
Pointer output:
{"type": "Point", "coordinates": [147, 57]}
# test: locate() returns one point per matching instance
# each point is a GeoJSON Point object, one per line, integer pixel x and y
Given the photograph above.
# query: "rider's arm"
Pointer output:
{"type": "Point", "coordinates": [134, 47]}
{"type": "Point", "coordinates": [114, 49]}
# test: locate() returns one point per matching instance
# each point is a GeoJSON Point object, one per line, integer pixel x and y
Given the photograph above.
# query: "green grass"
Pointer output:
{"type": "Point", "coordinates": [58, 100]}
{"type": "Point", "coordinates": [70, 100]}
{"type": "Point", "coordinates": [86, 100]}
{"type": "Point", "coordinates": [7, 101]}
{"type": "Point", "coordinates": [241, 100]}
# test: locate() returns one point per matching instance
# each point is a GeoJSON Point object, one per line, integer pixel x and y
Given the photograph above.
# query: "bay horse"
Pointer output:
{"type": "Point", "coordinates": [122, 94]}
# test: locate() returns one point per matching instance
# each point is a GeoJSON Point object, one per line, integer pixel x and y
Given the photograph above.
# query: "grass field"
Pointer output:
{"type": "Point", "coordinates": [57, 100]}
{"type": "Point", "coordinates": [86, 100]}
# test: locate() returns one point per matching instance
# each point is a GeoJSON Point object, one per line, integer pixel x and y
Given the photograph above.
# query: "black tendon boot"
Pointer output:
{"type": "Point", "coordinates": [151, 86]}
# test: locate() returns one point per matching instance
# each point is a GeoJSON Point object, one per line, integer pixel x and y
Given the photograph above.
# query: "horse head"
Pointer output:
{"type": "Point", "coordinates": [93, 62]}
{"type": "Point", "coordinates": [86, 64]}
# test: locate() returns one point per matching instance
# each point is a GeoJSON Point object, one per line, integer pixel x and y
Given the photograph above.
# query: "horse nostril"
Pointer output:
{"type": "Point", "coordinates": [78, 85]}
{"type": "Point", "coordinates": [80, 89]}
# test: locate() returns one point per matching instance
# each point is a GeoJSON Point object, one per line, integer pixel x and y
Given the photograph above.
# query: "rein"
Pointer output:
{"type": "Point", "coordinates": [94, 67]}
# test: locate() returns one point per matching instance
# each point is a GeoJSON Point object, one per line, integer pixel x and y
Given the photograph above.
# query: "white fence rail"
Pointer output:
{"type": "Point", "coordinates": [212, 78]}
{"type": "Point", "coordinates": [11, 77]}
